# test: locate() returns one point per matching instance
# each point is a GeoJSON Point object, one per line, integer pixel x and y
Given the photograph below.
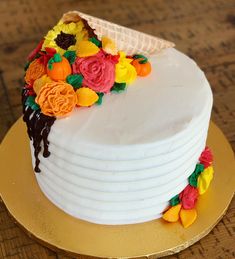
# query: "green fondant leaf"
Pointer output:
{"type": "Point", "coordinates": [144, 59]}
{"type": "Point", "coordinates": [95, 41]}
{"type": "Point", "coordinates": [194, 176]}
{"type": "Point", "coordinates": [30, 101]}
{"type": "Point", "coordinates": [75, 80]}
{"type": "Point", "coordinates": [100, 100]}
{"type": "Point", "coordinates": [175, 200]}
{"type": "Point", "coordinates": [70, 55]}
{"type": "Point", "coordinates": [118, 87]}
{"type": "Point", "coordinates": [56, 58]}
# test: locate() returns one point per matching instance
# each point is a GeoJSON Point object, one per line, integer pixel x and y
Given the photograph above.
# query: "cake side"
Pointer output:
{"type": "Point", "coordinates": [138, 156]}
{"type": "Point", "coordinates": [136, 180]}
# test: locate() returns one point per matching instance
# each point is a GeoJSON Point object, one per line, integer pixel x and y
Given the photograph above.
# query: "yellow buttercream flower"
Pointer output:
{"type": "Point", "coordinates": [40, 82]}
{"type": "Point", "coordinates": [65, 36]}
{"type": "Point", "coordinates": [204, 179]}
{"type": "Point", "coordinates": [124, 71]}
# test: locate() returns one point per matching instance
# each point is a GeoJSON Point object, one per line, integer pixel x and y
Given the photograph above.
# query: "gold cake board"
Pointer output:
{"type": "Point", "coordinates": [54, 228]}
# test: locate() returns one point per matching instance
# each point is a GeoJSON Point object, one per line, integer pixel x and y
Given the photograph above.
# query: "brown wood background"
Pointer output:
{"type": "Point", "coordinates": [204, 29]}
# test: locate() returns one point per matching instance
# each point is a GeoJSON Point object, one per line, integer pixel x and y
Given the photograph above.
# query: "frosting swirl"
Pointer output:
{"type": "Point", "coordinates": [125, 72]}
{"type": "Point", "coordinates": [98, 72]}
{"type": "Point", "coordinates": [56, 99]}
{"type": "Point", "coordinates": [35, 70]}
{"type": "Point", "coordinates": [206, 157]}
{"type": "Point", "coordinates": [188, 197]}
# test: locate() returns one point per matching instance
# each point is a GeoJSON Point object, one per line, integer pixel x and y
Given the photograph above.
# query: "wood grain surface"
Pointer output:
{"type": "Point", "coordinates": [203, 29]}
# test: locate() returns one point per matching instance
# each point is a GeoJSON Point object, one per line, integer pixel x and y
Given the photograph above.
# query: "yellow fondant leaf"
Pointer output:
{"type": "Point", "coordinates": [86, 48]}
{"type": "Point", "coordinates": [204, 179]}
{"type": "Point", "coordinates": [188, 217]}
{"type": "Point", "coordinates": [108, 45]}
{"type": "Point", "coordinates": [172, 214]}
{"type": "Point", "coordinates": [86, 96]}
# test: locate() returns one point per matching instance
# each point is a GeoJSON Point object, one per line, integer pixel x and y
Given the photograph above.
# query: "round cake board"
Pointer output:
{"type": "Point", "coordinates": [54, 228]}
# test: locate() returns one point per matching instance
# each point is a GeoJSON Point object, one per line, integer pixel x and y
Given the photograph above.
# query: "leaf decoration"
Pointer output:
{"type": "Point", "coordinates": [75, 80]}
{"type": "Point", "coordinates": [70, 55]}
{"type": "Point", "coordinates": [175, 200]}
{"type": "Point", "coordinates": [95, 41]}
{"type": "Point", "coordinates": [118, 87]}
{"type": "Point", "coordinates": [100, 100]}
{"type": "Point", "coordinates": [30, 101]}
{"type": "Point", "coordinates": [194, 176]}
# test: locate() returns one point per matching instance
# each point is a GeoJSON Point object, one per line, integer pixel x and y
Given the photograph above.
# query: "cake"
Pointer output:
{"type": "Point", "coordinates": [129, 149]}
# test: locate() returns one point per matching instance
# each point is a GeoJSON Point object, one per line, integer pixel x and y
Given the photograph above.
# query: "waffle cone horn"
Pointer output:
{"type": "Point", "coordinates": [128, 40]}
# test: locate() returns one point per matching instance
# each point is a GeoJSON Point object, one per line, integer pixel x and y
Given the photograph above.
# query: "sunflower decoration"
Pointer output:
{"type": "Point", "coordinates": [65, 36]}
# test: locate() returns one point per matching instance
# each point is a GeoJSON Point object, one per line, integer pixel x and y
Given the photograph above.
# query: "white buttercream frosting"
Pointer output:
{"type": "Point", "coordinates": [121, 162]}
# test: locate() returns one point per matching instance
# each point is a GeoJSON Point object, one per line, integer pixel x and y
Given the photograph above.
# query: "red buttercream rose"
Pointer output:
{"type": "Point", "coordinates": [188, 197]}
{"type": "Point", "coordinates": [98, 72]}
{"type": "Point", "coordinates": [206, 157]}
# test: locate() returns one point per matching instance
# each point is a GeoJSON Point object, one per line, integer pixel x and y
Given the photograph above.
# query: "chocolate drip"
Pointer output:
{"type": "Point", "coordinates": [39, 126]}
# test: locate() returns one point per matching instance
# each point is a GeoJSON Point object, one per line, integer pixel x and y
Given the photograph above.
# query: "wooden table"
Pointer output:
{"type": "Point", "coordinates": [203, 29]}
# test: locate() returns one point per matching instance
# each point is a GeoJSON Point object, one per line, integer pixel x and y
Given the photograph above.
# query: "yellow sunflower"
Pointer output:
{"type": "Point", "coordinates": [65, 36]}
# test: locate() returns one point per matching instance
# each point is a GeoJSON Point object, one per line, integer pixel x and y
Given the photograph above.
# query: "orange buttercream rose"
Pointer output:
{"type": "Point", "coordinates": [35, 70]}
{"type": "Point", "coordinates": [56, 99]}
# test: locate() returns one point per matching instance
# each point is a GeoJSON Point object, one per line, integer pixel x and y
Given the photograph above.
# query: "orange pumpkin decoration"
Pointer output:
{"type": "Point", "coordinates": [142, 65]}
{"type": "Point", "coordinates": [58, 68]}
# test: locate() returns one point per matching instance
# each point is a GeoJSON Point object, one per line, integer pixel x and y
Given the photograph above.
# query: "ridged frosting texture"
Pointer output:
{"type": "Point", "coordinates": [121, 162]}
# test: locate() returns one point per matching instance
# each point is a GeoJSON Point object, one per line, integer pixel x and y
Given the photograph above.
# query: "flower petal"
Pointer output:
{"type": "Point", "coordinates": [86, 96]}
{"type": "Point", "coordinates": [172, 214]}
{"type": "Point", "coordinates": [86, 48]}
{"type": "Point", "coordinates": [188, 217]}
{"type": "Point", "coordinates": [204, 179]}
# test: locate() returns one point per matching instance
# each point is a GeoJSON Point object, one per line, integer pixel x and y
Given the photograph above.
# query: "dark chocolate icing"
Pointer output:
{"type": "Point", "coordinates": [91, 32]}
{"type": "Point", "coordinates": [39, 126]}
{"type": "Point", "coordinates": [65, 40]}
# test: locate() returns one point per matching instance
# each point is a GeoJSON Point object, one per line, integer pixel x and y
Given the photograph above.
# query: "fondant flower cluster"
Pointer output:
{"type": "Point", "coordinates": [182, 206]}
{"type": "Point", "coordinates": [71, 67]}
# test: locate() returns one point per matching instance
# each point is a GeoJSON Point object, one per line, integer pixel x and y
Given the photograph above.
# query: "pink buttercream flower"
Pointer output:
{"type": "Point", "coordinates": [98, 71]}
{"type": "Point", "coordinates": [206, 157]}
{"type": "Point", "coordinates": [188, 197]}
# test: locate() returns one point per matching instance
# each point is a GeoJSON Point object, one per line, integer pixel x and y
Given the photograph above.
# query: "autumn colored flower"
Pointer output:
{"type": "Point", "coordinates": [98, 72]}
{"type": "Point", "coordinates": [205, 179]}
{"type": "Point", "coordinates": [65, 36]}
{"type": "Point", "coordinates": [125, 72]}
{"type": "Point", "coordinates": [206, 157]}
{"type": "Point", "coordinates": [35, 70]}
{"type": "Point", "coordinates": [40, 82]}
{"type": "Point", "coordinates": [56, 99]}
{"type": "Point", "coordinates": [188, 197]}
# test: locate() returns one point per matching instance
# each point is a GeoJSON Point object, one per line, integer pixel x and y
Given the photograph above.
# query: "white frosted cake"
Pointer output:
{"type": "Point", "coordinates": [122, 162]}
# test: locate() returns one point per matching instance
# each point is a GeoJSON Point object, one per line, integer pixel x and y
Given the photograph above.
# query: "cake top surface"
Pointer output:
{"type": "Point", "coordinates": [153, 109]}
